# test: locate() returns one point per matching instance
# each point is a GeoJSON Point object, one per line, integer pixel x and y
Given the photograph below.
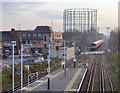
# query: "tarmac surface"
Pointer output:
{"type": "Point", "coordinates": [58, 81]}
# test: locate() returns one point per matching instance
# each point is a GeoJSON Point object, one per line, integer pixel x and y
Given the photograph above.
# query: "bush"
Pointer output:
{"type": "Point", "coordinates": [113, 62]}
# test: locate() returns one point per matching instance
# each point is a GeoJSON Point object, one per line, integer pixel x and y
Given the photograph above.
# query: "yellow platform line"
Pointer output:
{"type": "Point", "coordinates": [69, 86]}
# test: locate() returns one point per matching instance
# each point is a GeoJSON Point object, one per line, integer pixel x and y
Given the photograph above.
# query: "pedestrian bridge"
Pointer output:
{"type": "Point", "coordinates": [93, 52]}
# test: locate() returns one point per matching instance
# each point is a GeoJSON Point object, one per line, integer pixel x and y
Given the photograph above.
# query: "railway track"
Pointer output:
{"type": "Point", "coordinates": [96, 79]}
{"type": "Point", "coordinates": [70, 64]}
{"type": "Point", "coordinates": [108, 86]}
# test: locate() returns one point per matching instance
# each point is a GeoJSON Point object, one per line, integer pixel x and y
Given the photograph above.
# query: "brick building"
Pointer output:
{"type": "Point", "coordinates": [39, 38]}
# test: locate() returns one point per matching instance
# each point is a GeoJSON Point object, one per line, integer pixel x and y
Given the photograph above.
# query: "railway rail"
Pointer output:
{"type": "Point", "coordinates": [96, 79]}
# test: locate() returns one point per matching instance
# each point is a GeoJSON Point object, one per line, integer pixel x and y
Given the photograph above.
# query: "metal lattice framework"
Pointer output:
{"type": "Point", "coordinates": [80, 19]}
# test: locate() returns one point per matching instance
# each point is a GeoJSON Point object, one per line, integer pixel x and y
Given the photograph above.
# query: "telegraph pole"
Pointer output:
{"type": "Point", "coordinates": [51, 23]}
{"type": "Point", "coordinates": [19, 26]}
{"type": "Point", "coordinates": [108, 28]}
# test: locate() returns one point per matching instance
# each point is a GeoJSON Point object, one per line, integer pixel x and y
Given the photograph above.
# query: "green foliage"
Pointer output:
{"type": "Point", "coordinates": [53, 63]}
{"type": "Point", "coordinates": [34, 67]}
{"type": "Point", "coordinates": [85, 39]}
{"type": "Point", "coordinates": [6, 79]}
{"type": "Point", "coordinates": [113, 62]}
{"type": "Point", "coordinates": [113, 40]}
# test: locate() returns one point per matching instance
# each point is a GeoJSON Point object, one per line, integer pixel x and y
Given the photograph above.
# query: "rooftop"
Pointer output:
{"type": "Point", "coordinates": [44, 29]}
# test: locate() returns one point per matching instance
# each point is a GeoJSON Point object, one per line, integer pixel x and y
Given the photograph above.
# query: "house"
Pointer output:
{"type": "Point", "coordinates": [40, 37]}
{"type": "Point", "coordinates": [6, 39]}
{"type": "Point", "coordinates": [57, 39]}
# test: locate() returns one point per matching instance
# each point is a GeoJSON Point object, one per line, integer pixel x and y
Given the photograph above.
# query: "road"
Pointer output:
{"type": "Point", "coordinates": [8, 61]}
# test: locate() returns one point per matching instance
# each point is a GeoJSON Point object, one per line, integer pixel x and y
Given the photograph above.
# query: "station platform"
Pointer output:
{"type": "Point", "coordinates": [58, 81]}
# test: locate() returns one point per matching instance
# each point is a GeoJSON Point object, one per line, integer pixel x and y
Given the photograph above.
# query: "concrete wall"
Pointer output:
{"type": "Point", "coordinates": [60, 53]}
{"type": "Point", "coordinates": [70, 52]}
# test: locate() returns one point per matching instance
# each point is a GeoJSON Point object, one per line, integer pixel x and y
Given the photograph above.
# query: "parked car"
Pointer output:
{"type": "Point", "coordinates": [25, 55]}
{"type": "Point", "coordinates": [39, 59]}
{"type": "Point", "coordinates": [6, 54]}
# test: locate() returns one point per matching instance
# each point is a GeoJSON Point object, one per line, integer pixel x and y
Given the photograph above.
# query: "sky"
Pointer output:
{"type": "Point", "coordinates": [27, 14]}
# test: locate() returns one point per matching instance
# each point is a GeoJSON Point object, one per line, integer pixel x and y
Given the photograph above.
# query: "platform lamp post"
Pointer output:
{"type": "Point", "coordinates": [74, 60]}
{"type": "Point", "coordinates": [13, 45]}
{"type": "Point", "coordinates": [22, 47]}
{"type": "Point", "coordinates": [65, 58]}
{"type": "Point", "coordinates": [48, 69]}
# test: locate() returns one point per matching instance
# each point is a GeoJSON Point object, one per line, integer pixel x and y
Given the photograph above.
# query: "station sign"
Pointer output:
{"type": "Point", "coordinates": [18, 72]}
{"type": "Point", "coordinates": [37, 74]}
{"type": "Point", "coordinates": [48, 70]}
{"type": "Point", "coordinates": [27, 45]}
{"type": "Point", "coordinates": [33, 75]}
{"type": "Point", "coordinates": [62, 63]}
{"type": "Point", "coordinates": [74, 60]}
{"type": "Point", "coordinates": [13, 43]}
{"type": "Point", "coordinates": [27, 67]}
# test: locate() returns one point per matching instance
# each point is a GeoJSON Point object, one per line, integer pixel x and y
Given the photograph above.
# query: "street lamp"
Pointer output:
{"type": "Point", "coordinates": [13, 45]}
{"type": "Point", "coordinates": [23, 46]}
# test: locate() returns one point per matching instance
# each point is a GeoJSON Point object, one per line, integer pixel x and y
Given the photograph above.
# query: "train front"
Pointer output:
{"type": "Point", "coordinates": [95, 45]}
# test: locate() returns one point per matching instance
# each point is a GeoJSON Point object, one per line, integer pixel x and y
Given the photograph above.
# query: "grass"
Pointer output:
{"type": "Point", "coordinates": [79, 65]}
{"type": "Point", "coordinates": [114, 70]}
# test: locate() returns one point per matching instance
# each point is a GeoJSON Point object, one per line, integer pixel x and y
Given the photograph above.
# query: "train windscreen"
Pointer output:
{"type": "Point", "coordinates": [93, 44]}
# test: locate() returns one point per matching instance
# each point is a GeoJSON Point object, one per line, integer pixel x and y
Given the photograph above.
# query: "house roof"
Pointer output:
{"type": "Point", "coordinates": [39, 30]}
{"type": "Point", "coordinates": [44, 29]}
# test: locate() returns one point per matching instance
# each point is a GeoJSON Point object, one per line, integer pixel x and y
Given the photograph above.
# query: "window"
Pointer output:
{"type": "Point", "coordinates": [28, 42]}
{"type": "Point", "coordinates": [34, 35]}
{"type": "Point", "coordinates": [44, 38]}
{"type": "Point", "coordinates": [29, 35]}
{"type": "Point", "coordinates": [34, 42]}
{"type": "Point", "coordinates": [45, 46]}
{"type": "Point", "coordinates": [39, 35]}
{"type": "Point", "coordinates": [24, 34]}
{"type": "Point", "coordinates": [24, 42]}
{"type": "Point", "coordinates": [64, 54]}
{"type": "Point", "coordinates": [39, 42]}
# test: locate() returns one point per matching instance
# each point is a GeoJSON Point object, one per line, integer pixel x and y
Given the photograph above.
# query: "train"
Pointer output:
{"type": "Point", "coordinates": [95, 45]}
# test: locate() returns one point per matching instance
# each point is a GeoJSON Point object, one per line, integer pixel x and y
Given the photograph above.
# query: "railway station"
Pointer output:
{"type": "Point", "coordinates": [60, 47]}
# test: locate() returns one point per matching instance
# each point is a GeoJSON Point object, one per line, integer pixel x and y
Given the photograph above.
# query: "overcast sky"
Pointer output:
{"type": "Point", "coordinates": [30, 14]}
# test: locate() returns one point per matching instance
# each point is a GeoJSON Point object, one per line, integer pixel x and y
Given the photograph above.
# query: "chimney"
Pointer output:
{"type": "Point", "coordinates": [12, 29]}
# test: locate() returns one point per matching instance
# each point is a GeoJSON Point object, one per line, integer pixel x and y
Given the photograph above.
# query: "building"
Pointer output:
{"type": "Point", "coordinates": [69, 53]}
{"type": "Point", "coordinates": [5, 41]}
{"type": "Point", "coordinates": [57, 39]}
{"type": "Point", "coordinates": [40, 37]}
{"type": "Point", "coordinates": [80, 19]}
